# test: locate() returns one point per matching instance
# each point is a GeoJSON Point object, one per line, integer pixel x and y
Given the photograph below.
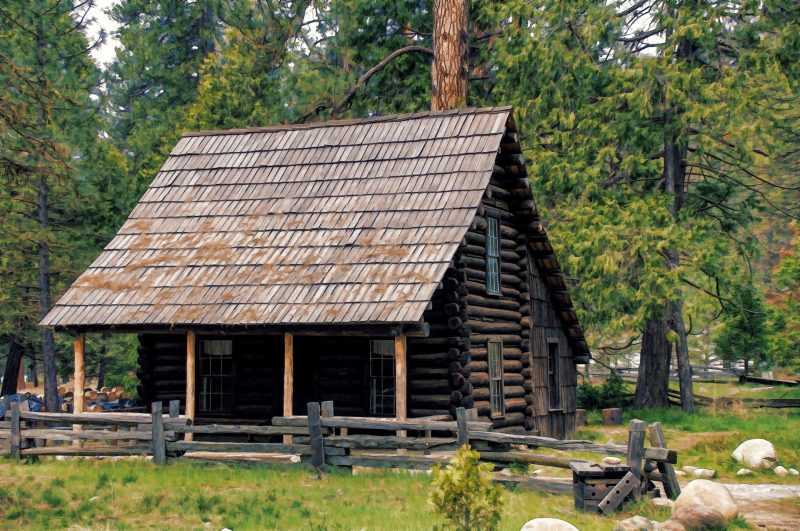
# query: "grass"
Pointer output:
{"type": "Point", "coordinates": [186, 495]}
{"type": "Point", "coordinates": [708, 437]}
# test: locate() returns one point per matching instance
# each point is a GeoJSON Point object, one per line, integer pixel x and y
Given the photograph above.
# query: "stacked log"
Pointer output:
{"type": "Point", "coordinates": [438, 376]}
{"type": "Point", "coordinates": [162, 367]}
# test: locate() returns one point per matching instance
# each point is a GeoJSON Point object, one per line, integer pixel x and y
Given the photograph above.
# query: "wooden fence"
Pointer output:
{"type": "Point", "coordinates": [323, 439]}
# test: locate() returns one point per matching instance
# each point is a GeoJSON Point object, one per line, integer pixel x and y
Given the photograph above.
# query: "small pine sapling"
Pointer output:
{"type": "Point", "coordinates": [464, 493]}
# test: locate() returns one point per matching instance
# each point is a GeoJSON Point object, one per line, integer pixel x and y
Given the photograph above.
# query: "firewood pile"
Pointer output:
{"type": "Point", "coordinates": [97, 400]}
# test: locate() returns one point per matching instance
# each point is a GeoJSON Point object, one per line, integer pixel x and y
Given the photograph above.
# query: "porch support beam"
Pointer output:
{"type": "Point", "coordinates": [191, 356]}
{"type": "Point", "coordinates": [400, 372]}
{"type": "Point", "coordinates": [79, 380]}
{"type": "Point", "coordinates": [288, 379]}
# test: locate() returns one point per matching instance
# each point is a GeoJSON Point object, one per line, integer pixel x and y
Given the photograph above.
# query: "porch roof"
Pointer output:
{"type": "Point", "coordinates": [338, 222]}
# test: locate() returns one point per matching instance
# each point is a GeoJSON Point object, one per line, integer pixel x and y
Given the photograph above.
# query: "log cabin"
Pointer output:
{"type": "Point", "coordinates": [395, 265]}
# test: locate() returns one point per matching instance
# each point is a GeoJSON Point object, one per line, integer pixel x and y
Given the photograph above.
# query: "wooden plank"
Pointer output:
{"type": "Point", "coordinates": [191, 358]}
{"type": "Point", "coordinates": [174, 408]}
{"type": "Point", "coordinates": [90, 435]}
{"type": "Point", "coordinates": [15, 439]}
{"type": "Point", "coordinates": [315, 433]}
{"type": "Point", "coordinates": [158, 442]}
{"type": "Point", "coordinates": [123, 419]}
{"type": "Point", "coordinates": [629, 483]}
{"type": "Point", "coordinates": [245, 447]}
{"type": "Point", "coordinates": [551, 485]}
{"type": "Point", "coordinates": [401, 382]}
{"type": "Point", "coordinates": [669, 479]}
{"type": "Point", "coordinates": [88, 452]}
{"type": "Point", "coordinates": [375, 423]}
{"type": "Point", "coordinates": [516, 456]}
{"type": "Point", "coordinates": [79, 379]}
{"type": "Point", "coordinates": [636, 436]}
{"type": "Point", "coordinates": [461, 423]}
{"type": "Point", "coordinates": [388, 461]}
{"type": "Point", "coordinates": [389, 442]}
{"type": "Point", "coordinates": [288, 379]}
{"type": "Point", "coordinates": [231, 429]}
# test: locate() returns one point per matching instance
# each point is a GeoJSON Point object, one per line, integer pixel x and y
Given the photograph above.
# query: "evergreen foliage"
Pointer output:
{"type": "Point", "coordinates": [464, 494]}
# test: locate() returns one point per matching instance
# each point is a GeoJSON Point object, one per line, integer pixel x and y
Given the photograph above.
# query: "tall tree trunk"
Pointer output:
{"type": "Point", "coordinates": [652, 384]}
{"type": "Point", "coordinates": [13, 366]}
{"type": "Point", "coordinates": [450, 54]}
{"type": "Point", "coordinates": [674, 183]}
{"type": "Point", "coordinates": [43, 217]}
{"type": "Point", "coordinates": [48, 344]}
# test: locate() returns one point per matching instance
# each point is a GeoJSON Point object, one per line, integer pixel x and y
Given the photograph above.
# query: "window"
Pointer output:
{"type": "Point", "coordinates": [498, 405]}
{"type": "Point", "coordinates": [493, 257]}
{"type": "Point", "coordinates": [381, 378]}
{"type": "Point", "coordinates": [216, 375]}
{"type": "Point", "coordinates": [554, 383]}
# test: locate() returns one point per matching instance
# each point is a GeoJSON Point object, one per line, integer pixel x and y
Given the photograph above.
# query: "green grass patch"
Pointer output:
{"type": "Point", "coordinates": [185, 495]}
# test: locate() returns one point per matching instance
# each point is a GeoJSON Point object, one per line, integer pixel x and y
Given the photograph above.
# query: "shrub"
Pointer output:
{"type": "Point", "coordinates": [464, 493]}
{"type": "Point", "coordinates": [611, 394]}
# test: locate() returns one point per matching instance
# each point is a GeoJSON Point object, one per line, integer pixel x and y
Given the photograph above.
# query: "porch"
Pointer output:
{"type": "Point", "coordinates": [229, 377]}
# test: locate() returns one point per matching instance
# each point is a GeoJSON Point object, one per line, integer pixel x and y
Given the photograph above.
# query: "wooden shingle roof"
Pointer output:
{"type": "Point", "coordinates": [336, 222]}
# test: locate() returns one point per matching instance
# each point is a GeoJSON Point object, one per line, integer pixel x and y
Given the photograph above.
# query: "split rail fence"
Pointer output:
{"type": "Point", "coordinates": [323, 439]}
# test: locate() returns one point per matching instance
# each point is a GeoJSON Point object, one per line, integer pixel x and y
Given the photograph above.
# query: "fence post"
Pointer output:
{"type": "Point", "coordinates": [174, 408]}
{"type": "Point", "coordinates": [159, 444]}
{"type": "Point", "coordinates": [16, 439]}
{"type": "Point", "coordinates": [461, 423]}
{"type": "Point", "coordinates": [669, 479]}
{"type": "Point", "coordinates": [315, 432]}
{"type": "Point", "coordinates": [636, 437]}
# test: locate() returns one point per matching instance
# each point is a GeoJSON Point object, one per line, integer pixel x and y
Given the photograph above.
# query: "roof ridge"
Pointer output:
{"type": "Point", "coordinates": [348, 121]}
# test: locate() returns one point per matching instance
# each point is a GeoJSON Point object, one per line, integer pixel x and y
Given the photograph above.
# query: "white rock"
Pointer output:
{"type": "Point", "coordinates": [780, 471]}
{"type": "Point", "coordinates": [794, 472]}
{"type": "Point", "coordinates": [635, 523]}
{"type": "Point", "coordinates": [506, 472]}
{"type": "Point", "coordinates": [709, 494]}
{"type": "Point", "coordinates": [689, 469]}
{"type": "Point", "coordinates": [548, 524]}
{"type": "Point", "coordinates": [744, 472]}
{"type": "Point", "coordinates": [756, 453]}
{"type": "Point", "coordinates": [612, 460]}
{"type": "Point", "coordinates": [680, 473]}
{"type": "Point", "coordinates": [294, 459]}
{"type": "Point", "coordinates": [704, 473]}
{"type": "Point", "coordinates": [699, 517]}
{"type": "Point", "coordinates": [662, 502]}
{"type": "Point", "coordinates": [670, 525]}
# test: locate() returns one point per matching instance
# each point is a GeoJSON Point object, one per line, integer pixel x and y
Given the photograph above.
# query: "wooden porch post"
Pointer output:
{"type": "Point", "coordinates": [288, 379]}
{"type": "Point", "coordinates": [79, 381]}
{"type": "Point", "coordinates": [400, 368]}
{"type": "Point", "coordinates": [191, 351]}
{"type": "Point", "coordinates": [79, 347]}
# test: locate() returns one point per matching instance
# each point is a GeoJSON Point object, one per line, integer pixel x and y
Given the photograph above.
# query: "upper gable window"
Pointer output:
{"type": "Point", "coordinates": [493, 256]}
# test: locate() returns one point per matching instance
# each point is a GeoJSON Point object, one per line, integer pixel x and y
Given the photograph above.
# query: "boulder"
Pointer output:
{"type": "Point", "coordinates": [548, 524]}
{"type": "Point", "coordinates": [689, 469]}
{"type": "Point", "coordinates": [704, 473]}
{"type": "Point", "coordinates": [756, 453]}
{"type": "Point", "coordinates": [612, 460]}
{"type": "Point", "coordinates": [707, 494]}
{"type": "Point", "coordinates": [780, 471]}
{"type": "Point", "coordinates": [635, 523]}
{"type": "Point", "coordinates": [698, 516]}
{"type": "Point", "coordinates": [670, 525]}
{"type": "Point", "coordinates": [744, 472]}
{"type": "Point", "coordinates": [662, 502]}
{"type": "Point", "coordinates": [794, 472]}
{"type": "Point", "coordinates": [680, 473]}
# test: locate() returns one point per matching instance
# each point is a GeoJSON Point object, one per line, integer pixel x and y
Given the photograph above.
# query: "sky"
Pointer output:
{"type": "Point", "coordinates": [103, 54]}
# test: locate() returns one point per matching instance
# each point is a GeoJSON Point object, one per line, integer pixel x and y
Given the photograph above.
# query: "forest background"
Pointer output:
{"type": "Point", "coordinates": [663, 140]}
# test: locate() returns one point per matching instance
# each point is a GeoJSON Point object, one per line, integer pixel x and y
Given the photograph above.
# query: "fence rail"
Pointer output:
{"type": "Point", "coordinates": [321, 439]}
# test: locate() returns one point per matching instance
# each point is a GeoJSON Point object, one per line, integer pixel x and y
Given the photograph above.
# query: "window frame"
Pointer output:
{"type": "Point", "coordinates": [384, 359]}
{"type": "Point", "coordinates": [492, 283]}
{"type": "Point", "coordinates": [497, 398]}
{"type": "Point", "coordinates": [553, 375]}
